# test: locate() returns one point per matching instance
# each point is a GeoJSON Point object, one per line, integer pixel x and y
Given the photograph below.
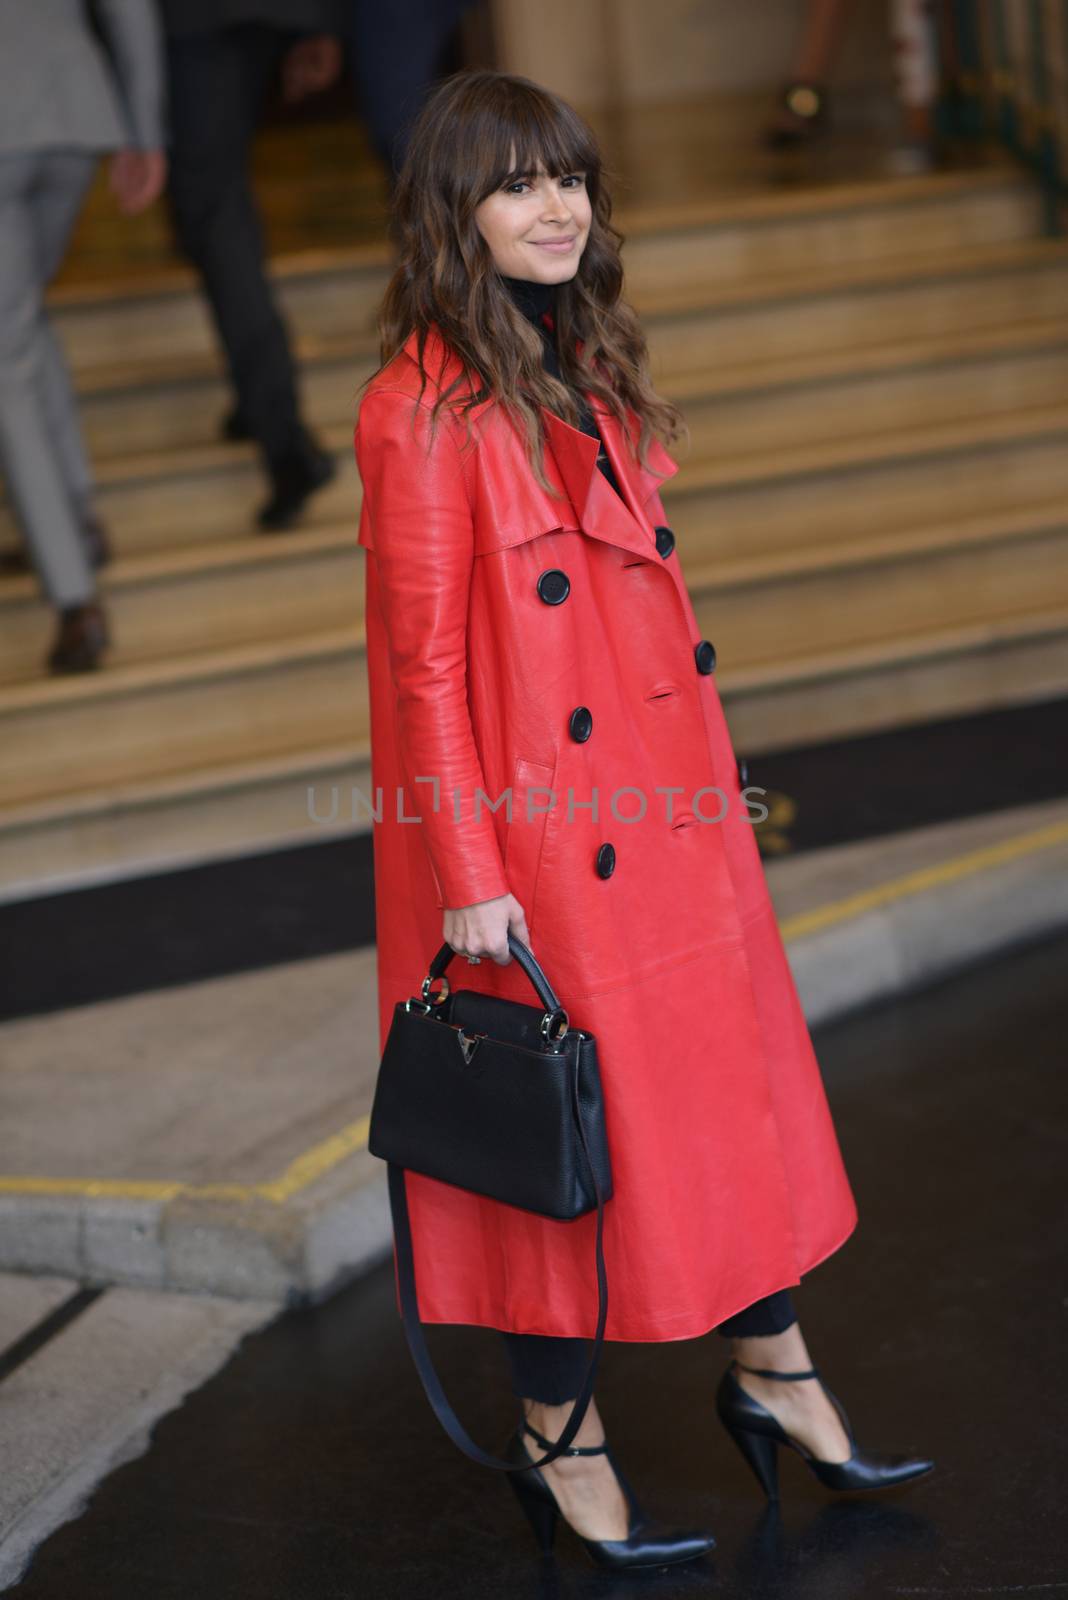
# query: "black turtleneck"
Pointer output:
{"type": "Point", "coordinates": [534, 299]}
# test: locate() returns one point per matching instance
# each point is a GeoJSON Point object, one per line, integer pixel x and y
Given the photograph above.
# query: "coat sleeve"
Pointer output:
{"type": "Point", "coordinates": [420, 535]}
{"type": "Point", "coordinates": [135, 46]}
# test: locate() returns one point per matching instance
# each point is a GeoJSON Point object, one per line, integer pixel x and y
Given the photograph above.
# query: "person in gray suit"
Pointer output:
{"type": "Point", "coordinates": [64, 99]}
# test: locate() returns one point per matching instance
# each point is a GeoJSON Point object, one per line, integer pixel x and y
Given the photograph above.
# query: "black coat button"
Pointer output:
{"type": "Point", "coordinates": [606, 860]}
{"type": "Point", "coordinates": [665, 541]}
{"type": "Point", "coordinates": [743, 771]}
{"type": "Point", "coordinates": [705, 655]}
{"type": "Point", "coordinates": [554, 586]}
{"type": "Point", "coordinates": [580, 724]}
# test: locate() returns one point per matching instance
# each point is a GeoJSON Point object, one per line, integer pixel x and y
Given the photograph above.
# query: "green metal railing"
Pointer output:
{"type": "Point", "coordinates": [1005, 74]}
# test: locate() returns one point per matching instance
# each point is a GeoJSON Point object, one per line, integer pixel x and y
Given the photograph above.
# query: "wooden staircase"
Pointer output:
{"type": "Point", "coordinates": [872, 513]}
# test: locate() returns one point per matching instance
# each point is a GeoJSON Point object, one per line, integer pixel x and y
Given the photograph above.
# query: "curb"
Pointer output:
{"type": "Point", "coordinates": [960, 893]}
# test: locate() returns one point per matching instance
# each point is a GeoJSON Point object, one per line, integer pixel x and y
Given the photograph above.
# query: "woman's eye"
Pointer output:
{"type": "Point", "coordinates": [575, 179]}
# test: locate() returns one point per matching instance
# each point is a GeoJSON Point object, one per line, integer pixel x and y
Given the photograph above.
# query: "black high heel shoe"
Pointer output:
{"type": "Point", "coordinates": [648, 1543]}
{"type": "Point", "coordinates": [758, 1436]}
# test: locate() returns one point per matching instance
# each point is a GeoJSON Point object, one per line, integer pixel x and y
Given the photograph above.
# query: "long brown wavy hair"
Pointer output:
{"type": "Point", "coordinates": [478, 131]}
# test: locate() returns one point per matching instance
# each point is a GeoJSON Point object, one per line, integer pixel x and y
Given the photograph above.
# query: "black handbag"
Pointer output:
{"type": "Point", "coordinates": [503, 1099]}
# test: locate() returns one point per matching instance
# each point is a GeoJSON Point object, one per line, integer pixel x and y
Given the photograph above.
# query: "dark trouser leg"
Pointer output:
{"type": "Point", "coordinates": [773, 1314]}
{"type": "Point", "coordinates": [395, 57]}
{"type": "Point", "coordinates": [217, 84]}
{"type": "Point", "coordinates": [551, 1370]}
{"type": "Point", "coordinates": [546, 1368]}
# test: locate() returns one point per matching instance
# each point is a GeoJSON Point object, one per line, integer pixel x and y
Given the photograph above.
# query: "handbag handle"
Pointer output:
{"type": "Point", "coordinates": [555, 1023]}
{"type": "Point", "coordinates": [413, 1328]}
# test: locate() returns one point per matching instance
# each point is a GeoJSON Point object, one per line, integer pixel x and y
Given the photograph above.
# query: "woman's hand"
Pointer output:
{"type": "Point", "coordinates": [482, 929]}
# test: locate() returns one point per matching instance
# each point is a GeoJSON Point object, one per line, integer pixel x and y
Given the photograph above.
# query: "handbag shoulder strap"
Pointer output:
{"type": "Point", "coordinates": [413, 1328]}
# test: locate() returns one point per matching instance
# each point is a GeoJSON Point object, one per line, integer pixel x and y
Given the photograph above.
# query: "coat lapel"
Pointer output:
{"type": "Point", "coordinates": [599, 511]}
{"type": "Point", "coordinates": [637, 483]}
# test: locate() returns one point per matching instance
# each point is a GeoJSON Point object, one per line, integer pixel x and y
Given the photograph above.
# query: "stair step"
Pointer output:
{"type": "Point", "coordinates": [180, 403]}
{"type": "Point", "coordinates": [908, 478]}
{"type": "Point", "coordinates": [200, 599]}
{"type": "Point", "coordinates": [891, 683]}
{"type": "Point", "coordinates": [133, 723]}
{"type": "Point", "coordinates": [882, 222]}
{"type": "Point", "coordinates": [810, 280]}
{"type": "Point", "coordinates": [883, 589]}
{"type": "Point", "coordinates": [153, 407]}
{"type": "Point", "coordinates": [203, 494]}
{"type": "Point", "coordinates": [1046, 335]}
{"type": "Point", "coordinates": [749, 505]}
{"type": "Point", "coordinates": [668, 249]}
{"type": "Point", "coordinates": [186, 818]}
{"type": "Point", "coordinates": [221, 718]}
{"type": "Point", "coordinates": [207, 494]}
{"type": "Point", "coordinates": [206, 599]}
{"type": "Point", "coordinates": [168, 318]}
{"type": "Point", "coordinates": [1026, 277]}
{"type": "Point", "coordinates": [875, 390]}
{"type": "Point", "coordinates": [705, 568]}
{"type": "Point", "coordinates": [843, 310]}
{"type": "Point", "coordinates": [139, 715]}
{"type": "Point", "coordinates": [1014, 263]}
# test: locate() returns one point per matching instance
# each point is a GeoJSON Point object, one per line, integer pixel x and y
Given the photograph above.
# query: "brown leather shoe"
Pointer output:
{"type": "Point", "coordinates": [81, 638]}
{"type": "Point", "coordinates": [14, 560]}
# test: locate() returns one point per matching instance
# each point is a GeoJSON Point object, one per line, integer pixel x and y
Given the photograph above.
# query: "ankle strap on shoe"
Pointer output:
{"type": "Point", "coordinates": [571, 1450]}
{"type": "Point", "coordinates": [769, 1372]}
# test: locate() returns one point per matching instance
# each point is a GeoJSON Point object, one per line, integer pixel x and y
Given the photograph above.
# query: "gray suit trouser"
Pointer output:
{"type": "Point", "coordinates": [42, 452]}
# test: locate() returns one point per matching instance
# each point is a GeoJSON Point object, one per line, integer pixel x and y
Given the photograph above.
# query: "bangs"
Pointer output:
{"type": "Point", "coordinates": [530, 135]}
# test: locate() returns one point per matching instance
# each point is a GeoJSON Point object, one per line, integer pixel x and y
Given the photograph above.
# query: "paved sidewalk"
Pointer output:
{"type": "Point", "coordinates": [213, 1136]}
{"type": "Point", "coordinates": [87, 1399]}
{"type": "Point", "coordinates": [310, 1466]}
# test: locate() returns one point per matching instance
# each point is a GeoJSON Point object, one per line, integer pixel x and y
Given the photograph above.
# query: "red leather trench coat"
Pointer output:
{"type": "Point", "coordinates": [550, 646]}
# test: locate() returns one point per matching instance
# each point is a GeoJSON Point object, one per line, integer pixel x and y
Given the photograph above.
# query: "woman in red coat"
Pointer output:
{"type": "Point", "coordinates": [529, 630]}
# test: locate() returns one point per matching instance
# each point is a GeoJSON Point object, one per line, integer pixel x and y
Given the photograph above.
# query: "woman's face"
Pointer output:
{"type": "Point", "coordinates": [537, 227]}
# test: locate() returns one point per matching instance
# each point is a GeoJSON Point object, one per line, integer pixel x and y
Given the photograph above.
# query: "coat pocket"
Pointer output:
{"type": "Point", "coordinates": [533, 801]}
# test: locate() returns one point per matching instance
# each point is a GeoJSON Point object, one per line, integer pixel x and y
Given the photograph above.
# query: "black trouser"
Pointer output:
{"type": "Point", "coordinates": [395, 55]}
{"type": "Point", "coordinates": [218, 82]}
{"type": "Point", "coordinates": [551, 1370]}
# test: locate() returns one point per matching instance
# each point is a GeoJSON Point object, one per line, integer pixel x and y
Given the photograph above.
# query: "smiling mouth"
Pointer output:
{"type": "Point", "coordinates": [554, 244]}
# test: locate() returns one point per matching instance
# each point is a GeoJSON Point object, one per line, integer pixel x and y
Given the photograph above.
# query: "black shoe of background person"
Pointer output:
{"type": "Point", "coordinates": [81, 638]}
{"type": "Point", "coordinates": [295, 477]}
{"type": "Point", "coordinates": [234, 426]}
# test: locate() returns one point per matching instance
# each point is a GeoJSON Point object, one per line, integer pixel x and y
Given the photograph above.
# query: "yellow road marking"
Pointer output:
{"type": "Point", "coordinates": [298, 1175]}
{"type": "Point", "coordinates": [943, 872]}
{"type": "Point", "coordinates": [321, 1157]}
